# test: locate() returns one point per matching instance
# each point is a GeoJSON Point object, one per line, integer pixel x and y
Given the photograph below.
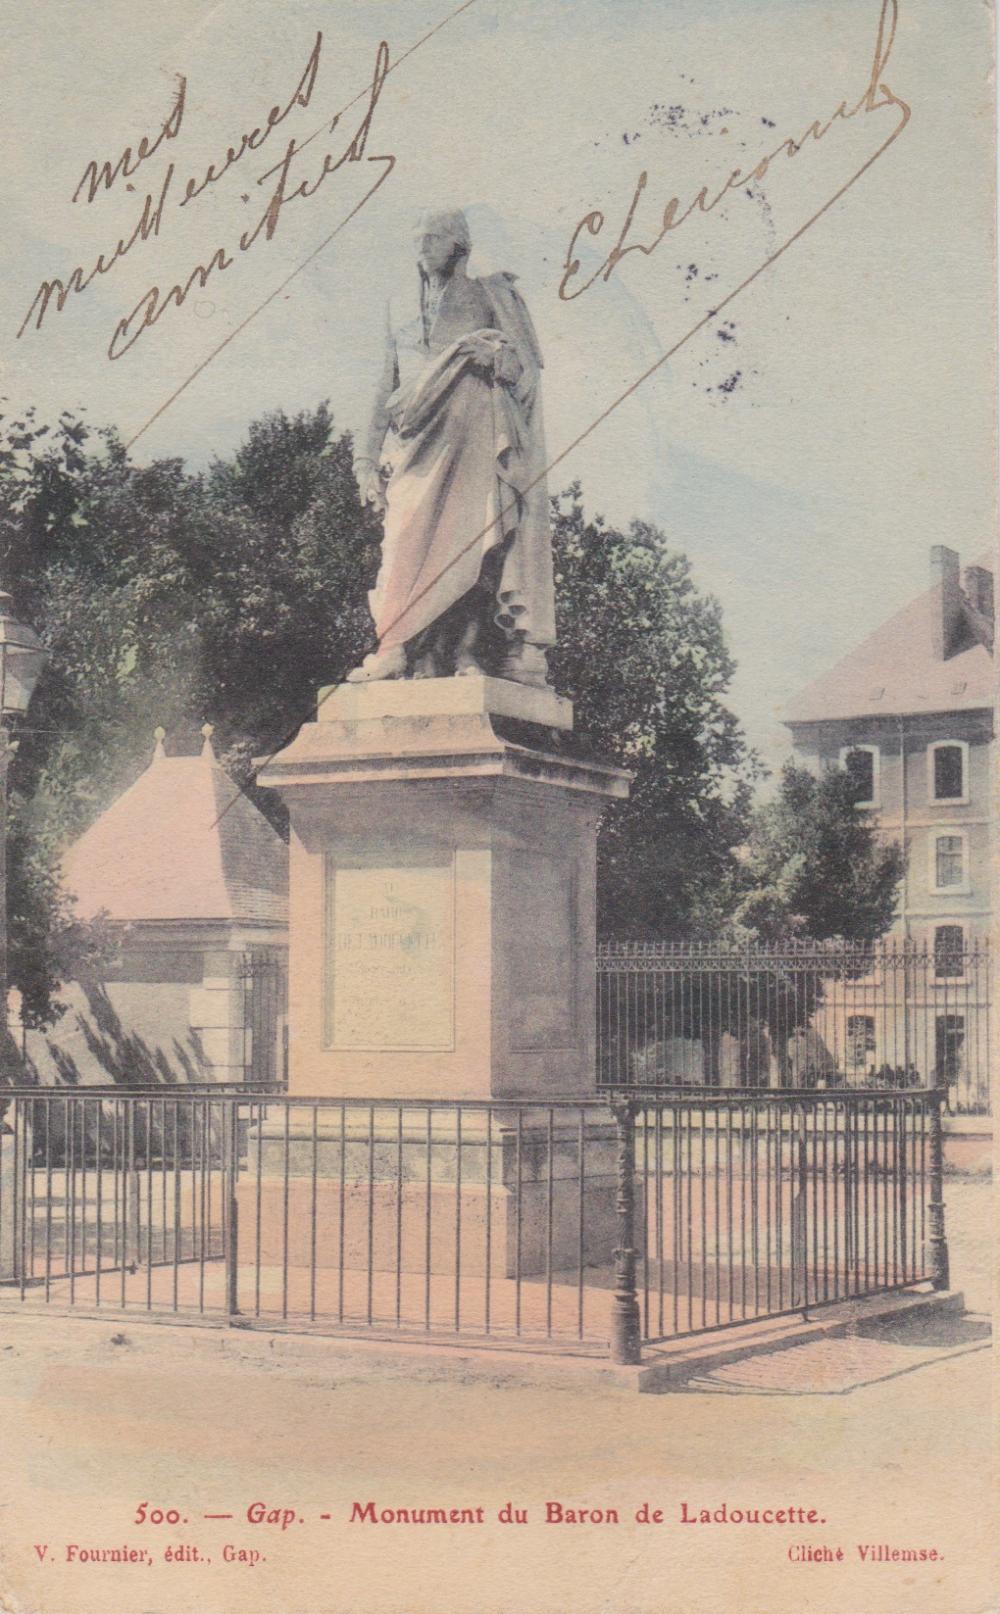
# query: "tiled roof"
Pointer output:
{"type": "Point", "coordinates": [895, 671]}
{"type": "Point", "coordinates": [183, 842]}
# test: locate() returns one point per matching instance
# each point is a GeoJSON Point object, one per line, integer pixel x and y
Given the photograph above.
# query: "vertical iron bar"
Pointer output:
{"type": "Point", "coordinates": [100, 1204]}
{"type": "Point", "coordinates": [625, 1325]}
{"type": "Point", "coordinates": [342, 1203]}
{"type": "Point", "coordinates": [313, 1217]}
{"type": "Point", "coordinates": [549, 1192]}
{"type": "Point", "coordinates": [519, 1220]}
{"type": "Point", "coordinates": [729, 1205]}
{"type": "Point", "coordinates": [231, 1172]}
{"type": "Point", "coordinates": [658, 1211]}
{"type": "Point", "coordinates": [48, 1202]}
{"type": "Point", "coordinates": [399, 1215]}
{"type": "Point", "coordinates": [489, 1217]}
{"type": "Point", "coordinates": [370, 1275]}
{"type": "Point", "coordinates": [258, 1210]}
{"type": "Point", "coordinates": [131, 1197]}
{"type": "Point", "coordinates": [645, 1223]}
{"type": "Point", "coordinates": [203, 1125]}
{"type": "Point", "coordinates": [28, 1254]}
{"type": "Point", "coordinates": [177, 1207]}
{"type": "Point", "coordinates": [70, 1195]}
{"type": "Point", "coordinates": [677, 1211]}
{"type": "Point", "coordinates": [427, 1228]}
{"type": "Point", "coordinates": [938, 1240]}
{"type": "Point", "coordinates": [458, 1218]}
{"type": "Point", "coordinates": [285, 1195]}
{"type": "Point", "coordinates": [581, 1137]}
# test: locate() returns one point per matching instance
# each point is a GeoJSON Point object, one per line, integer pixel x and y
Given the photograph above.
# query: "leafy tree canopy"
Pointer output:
{"type": "Point", "coordinates": [643, 655]}
{"type": "Point", "coordinates": [813, 867]}
{"type": "Point", "coordinates": [170, 597]}
{"type": "Point", "coordinates": [164, 597]}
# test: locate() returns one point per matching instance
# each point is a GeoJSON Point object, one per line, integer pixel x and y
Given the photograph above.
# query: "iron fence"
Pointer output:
{"type": "Point", "coordinates": [811, 1016]}
{"type": "Point", "coordinates": [578, 1225]}
{"type": "Point", "coordinates": [757, 1207]}
{"type": "Point", "coordinates": [264, 978]}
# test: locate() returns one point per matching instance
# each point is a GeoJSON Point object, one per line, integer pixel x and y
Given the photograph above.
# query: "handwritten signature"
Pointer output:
{"type": "Point", "coordinates": [155, 301]}
{"type": "Point", "coordinates": [876, 96]}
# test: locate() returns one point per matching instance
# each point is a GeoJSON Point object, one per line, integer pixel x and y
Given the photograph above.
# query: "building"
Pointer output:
{"type": "Point", "coordinates": [194, 881]}
{"type": "Point", "coordinates": [910, 712]}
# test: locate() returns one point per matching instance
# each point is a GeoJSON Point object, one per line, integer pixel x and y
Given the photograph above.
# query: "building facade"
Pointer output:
{"type": "Point", "coordinates": [193, 881]}
{"type": "Point", "coordinates": [910, 713]}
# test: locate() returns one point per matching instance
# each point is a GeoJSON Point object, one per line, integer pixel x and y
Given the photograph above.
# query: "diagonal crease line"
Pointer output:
{"type": "Point", "coordinates": [599, 420]}
{"type": "Point", "coordinates": [261, 306]}
{"type": "Point", "coordinates": [326, 125]}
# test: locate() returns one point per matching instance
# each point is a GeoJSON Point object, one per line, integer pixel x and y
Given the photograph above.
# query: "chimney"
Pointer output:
{"type": "Point", "coordinates": [978, 583]}
{"type": "Point", "coordinates": [946, 606]}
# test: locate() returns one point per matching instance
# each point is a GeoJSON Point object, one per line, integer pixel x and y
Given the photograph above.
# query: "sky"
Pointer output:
{"type": "Point", "coordinates": [805, 447]}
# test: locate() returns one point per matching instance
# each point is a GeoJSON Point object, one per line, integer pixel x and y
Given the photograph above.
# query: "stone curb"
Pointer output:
{"type": "Point", "coordinates": [341, 1358]}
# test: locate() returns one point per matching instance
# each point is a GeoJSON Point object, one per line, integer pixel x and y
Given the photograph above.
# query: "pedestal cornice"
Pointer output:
{"type": "Point", "coordinates": [462, 745]}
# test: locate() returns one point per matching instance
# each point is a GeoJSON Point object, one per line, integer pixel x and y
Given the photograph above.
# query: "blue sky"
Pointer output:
{"type": "Point", "coordinates": [807, 491]}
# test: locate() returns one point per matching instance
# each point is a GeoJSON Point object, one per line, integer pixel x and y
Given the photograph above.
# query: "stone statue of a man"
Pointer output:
{"type": "Point", "coordinates": [454, 460]}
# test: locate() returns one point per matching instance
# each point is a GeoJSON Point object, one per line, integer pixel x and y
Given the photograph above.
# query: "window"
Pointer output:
{"type": "Point", "coordinates": [949, 953]}
{"type": "Point", "coordinates": [948, 871]}
{"type": "Point", "coordinates": [947, 771]}
{"type": "Point", "coordinates": [861, 764]}
{"type": "Point", "coordinates": [860, 1039]}
{"type": "Point", "coordinates": [949, 1045]}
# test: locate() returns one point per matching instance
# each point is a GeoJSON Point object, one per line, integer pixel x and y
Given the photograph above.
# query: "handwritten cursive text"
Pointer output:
{"type": "Point", "coordinates": [255, 139]}
{"type": "Point", "coordinates": [93, 177]}
{"type": "Point", "coordinates": [154, 303]}
{"type": "Point", "coordinates": [876, 96]}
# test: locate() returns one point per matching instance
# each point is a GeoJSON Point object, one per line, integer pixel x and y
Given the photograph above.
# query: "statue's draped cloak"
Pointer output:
{"type": "Point", "coordinates": [466, 455]}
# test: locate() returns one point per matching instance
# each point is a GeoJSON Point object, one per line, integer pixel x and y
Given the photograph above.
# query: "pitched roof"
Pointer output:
{"type": "Point", "coordinates": [183, 842]}
{"type": "Point", "coordinates": [896, 671]}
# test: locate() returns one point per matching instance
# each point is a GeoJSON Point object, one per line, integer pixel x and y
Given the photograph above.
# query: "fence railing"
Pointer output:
{"type": "Point", "coordinates": [812, 1016]}
{"type": "Point", "coordinates": [264, 979]}
{"type": "Point", "coordinates": [756, 1207]}
{"type": "Point", "coordinates": [578, 1225]}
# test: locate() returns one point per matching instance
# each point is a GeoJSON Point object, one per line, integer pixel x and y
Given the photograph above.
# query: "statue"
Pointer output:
{"type": "Point", "coordinates": [454, 461]}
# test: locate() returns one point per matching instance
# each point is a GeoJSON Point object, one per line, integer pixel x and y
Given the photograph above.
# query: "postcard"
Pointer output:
{"type": "Point", "coordinates": [497, 755]}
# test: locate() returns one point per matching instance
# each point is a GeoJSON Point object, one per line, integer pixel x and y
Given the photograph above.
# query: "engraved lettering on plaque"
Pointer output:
{"type": "Point", "coordinates": [390, 949]}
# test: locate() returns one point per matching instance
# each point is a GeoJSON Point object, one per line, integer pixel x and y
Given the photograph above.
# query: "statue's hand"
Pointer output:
{"type": "Point", "coordinates": [370, 485]}
{"type": "Point", "coordinates": [482, 348]}
{"type": "Point", "coordinates": [507, 366]}
{"type": "Point", "coordinates": [493, 352]}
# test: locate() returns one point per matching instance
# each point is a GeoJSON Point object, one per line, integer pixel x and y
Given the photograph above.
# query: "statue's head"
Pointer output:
{"type": "Point", "coordinates": [441, 239]}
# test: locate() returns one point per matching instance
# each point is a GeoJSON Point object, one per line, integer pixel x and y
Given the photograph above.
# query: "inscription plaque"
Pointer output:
{"type": "Point", "coordinates": [390, 951]}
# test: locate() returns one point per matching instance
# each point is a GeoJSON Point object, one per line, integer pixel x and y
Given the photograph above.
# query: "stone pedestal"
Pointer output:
{"type": "Point", "coordinates": [442, 893]}
{"type": "Point", "coordinates": [441, 946]}
{"type": "Point", "coordinates": [385, 1194]}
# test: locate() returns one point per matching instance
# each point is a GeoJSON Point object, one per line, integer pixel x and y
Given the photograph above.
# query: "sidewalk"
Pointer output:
{"type": "Point", "coordinates": [887, 1440]}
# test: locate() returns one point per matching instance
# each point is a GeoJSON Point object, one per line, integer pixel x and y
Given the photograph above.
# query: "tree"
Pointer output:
{"type": "Point", "coordinates": [160, 595]}
{"type": "Point", "coordinates": [813, 866]}
{"type": "Point", "coordinates": [813, 870]}
{"type": "Point", "coordinates": [642, 654]}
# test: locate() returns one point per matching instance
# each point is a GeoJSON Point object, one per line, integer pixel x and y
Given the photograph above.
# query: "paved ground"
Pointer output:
{"type": "Point", "coordinates": [886, 1437]}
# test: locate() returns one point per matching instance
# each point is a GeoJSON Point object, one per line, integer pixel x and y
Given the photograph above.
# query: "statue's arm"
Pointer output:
{"type": "Point", "coordinates": [515, 322]}
{"type": "Point", "coordinates": [366, 461]}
